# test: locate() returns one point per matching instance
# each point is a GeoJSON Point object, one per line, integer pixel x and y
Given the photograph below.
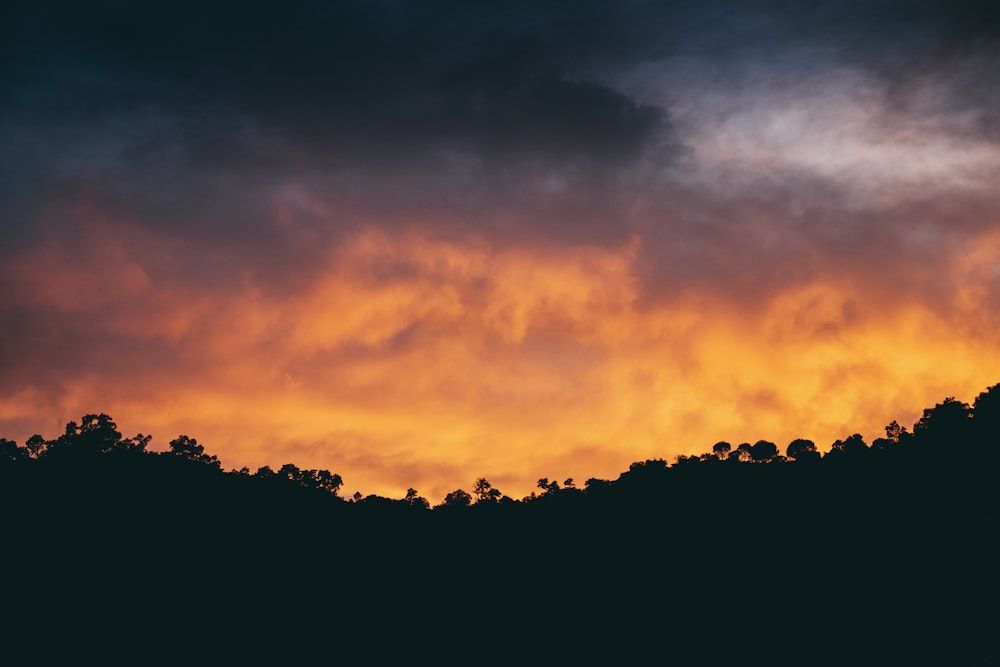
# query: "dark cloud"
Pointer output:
{"type": "Point", "coordinates": [345, 78]}
{"type": "Point", "coordinates": [195, 119]}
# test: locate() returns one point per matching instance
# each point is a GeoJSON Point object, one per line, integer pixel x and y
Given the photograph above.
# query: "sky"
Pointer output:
{"type": "Point", "coordinates": [416, 243]}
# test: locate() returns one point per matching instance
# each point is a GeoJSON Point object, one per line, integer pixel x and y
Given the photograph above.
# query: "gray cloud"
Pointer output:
{"type": "Point", "coordinates": [517, 121]}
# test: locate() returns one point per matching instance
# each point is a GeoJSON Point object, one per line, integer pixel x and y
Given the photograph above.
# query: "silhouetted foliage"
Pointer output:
{"type": "Point", "coordinates": [896, 433]}
{"type": "Point", "coordinates": [649, 467]}
{"type": "Point", "coordinates": [318, 480]}
{"type": "Point", "coordinates": [457, 499]}
{"type": "Point", "coordinates": [36, 446]}
{"type": "Point", "coordinates": [415, 500]}
{"type": "Point", "coordinates": [548, 487]}
{"type": "Point", "coordinates": [742, 453]}
{"type": "Point", "coordinates": [683, 459]}
{"type": "Point", "coordinates": [10, 452]}
{"type": "Point", "coordinates": [763, 451]}
{"type": "Point", "coordinates": [851, 448]}
{"type": "Point", "coordinates": [189, 449]}
{"type": "Point", "coordinates": [721, 449]}
{"type": "Point", "coordinates": [899, 537]}
{"type": "Point", "coordinates": [484, 491]}
{"type": "Point", "coordinates": [944, 425]}
{"type": "Point", "coordinates": [986, 421]}
{"type": "Point", "coordinates": [802, 451]}
{"type": "Point", "coordinates": [96, 435]}
{"type": "Point", "coordinates": [595, 485]}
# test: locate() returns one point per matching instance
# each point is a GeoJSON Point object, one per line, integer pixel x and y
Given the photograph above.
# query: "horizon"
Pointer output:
{"type": "Point", "coordinates": [149, 445]}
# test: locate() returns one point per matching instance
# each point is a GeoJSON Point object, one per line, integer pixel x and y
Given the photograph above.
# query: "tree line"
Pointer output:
{"type": "Point", "coordinates": [950, 430]}
{"type": "Point", "coordinates": [864, 554]}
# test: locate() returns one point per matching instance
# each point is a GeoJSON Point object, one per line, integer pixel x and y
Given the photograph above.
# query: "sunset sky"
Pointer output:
{"type": "Point", "coordinates": [416, 243]}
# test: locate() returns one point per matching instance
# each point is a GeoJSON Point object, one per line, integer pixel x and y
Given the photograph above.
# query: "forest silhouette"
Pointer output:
{"type": "Point", "coordinates": [868, 553]}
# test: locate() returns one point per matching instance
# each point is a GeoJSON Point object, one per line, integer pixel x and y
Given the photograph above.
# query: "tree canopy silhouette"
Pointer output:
{"type": "Point", "coordinates": [897, 536]}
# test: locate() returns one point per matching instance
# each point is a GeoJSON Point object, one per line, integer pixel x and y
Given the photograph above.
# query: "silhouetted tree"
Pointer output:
{"type": "Point", "coordinates": [548, 487]}
{"type": "Point", "coordinates": [647, 475]}
{"type": "Point", "coordinates": [684, 460]}
{"type": "Point", "coordinates": [895, 433]}
{"type": "Point", "coordinates": [763, 451]}
{"type": "Point", "coordinates": [319, 480]}
{"type": "Point", "coordinates": [851, 448]}
{"type": "Point", "coordinates": [741, 453]}
{"type": "Point", "coordinates": [324, 480]}
{"type": "Point", "coordinates": [10, 452]}
{"type": "Point", "coordinates": [986, 420]}
{"type": "Point", "coordinates": [652, 466]}
{"type": "Point", "coordinates": [947, 423]}
{"type": "Point", "coordinates": [188, 448]}
{"type": "Point", "coordinates": [484, 491]}
{"type": "Point", "coordinates": [802, 451]}
{"type": "Point", "coordinates": [595, 484]}
{"type": "Point", "coordinates": [896, 437]}
{"type": "Point", "coordinates": [137, 443]}
{"type": "Point", "coordinates": [721, 449]}
{"type": "Point", "coordinates": [95, 435]}
{"type": "Point", "coordinates": [457, 498]}
{"type": "Point", "coordinates": [414, 500]}
{"type": "Point", "coordinates": [290, 471]}
{"type": "Point", "coordinates": [36, 446]}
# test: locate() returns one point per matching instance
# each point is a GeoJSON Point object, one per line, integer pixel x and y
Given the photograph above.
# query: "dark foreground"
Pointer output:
{"type": "Point", "coordinates": [866, 564]}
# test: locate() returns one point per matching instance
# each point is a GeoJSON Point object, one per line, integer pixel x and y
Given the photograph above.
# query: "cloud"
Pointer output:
{"type": "Point", "coordinates": [341, 82]}
{"type": "Point", "coordinates": [415, 361]}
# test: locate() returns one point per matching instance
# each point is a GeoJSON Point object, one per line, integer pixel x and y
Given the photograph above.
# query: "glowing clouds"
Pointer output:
{"type": "Point", "coordinates": [413, 361]}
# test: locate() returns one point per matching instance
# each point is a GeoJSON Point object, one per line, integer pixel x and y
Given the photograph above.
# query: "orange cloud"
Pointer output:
{"type": "Point", "coordinates": [410, 360]}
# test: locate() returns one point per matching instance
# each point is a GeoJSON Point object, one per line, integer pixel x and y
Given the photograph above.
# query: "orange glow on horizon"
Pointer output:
{"type": "Point", "coordinates": [410, 361]}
